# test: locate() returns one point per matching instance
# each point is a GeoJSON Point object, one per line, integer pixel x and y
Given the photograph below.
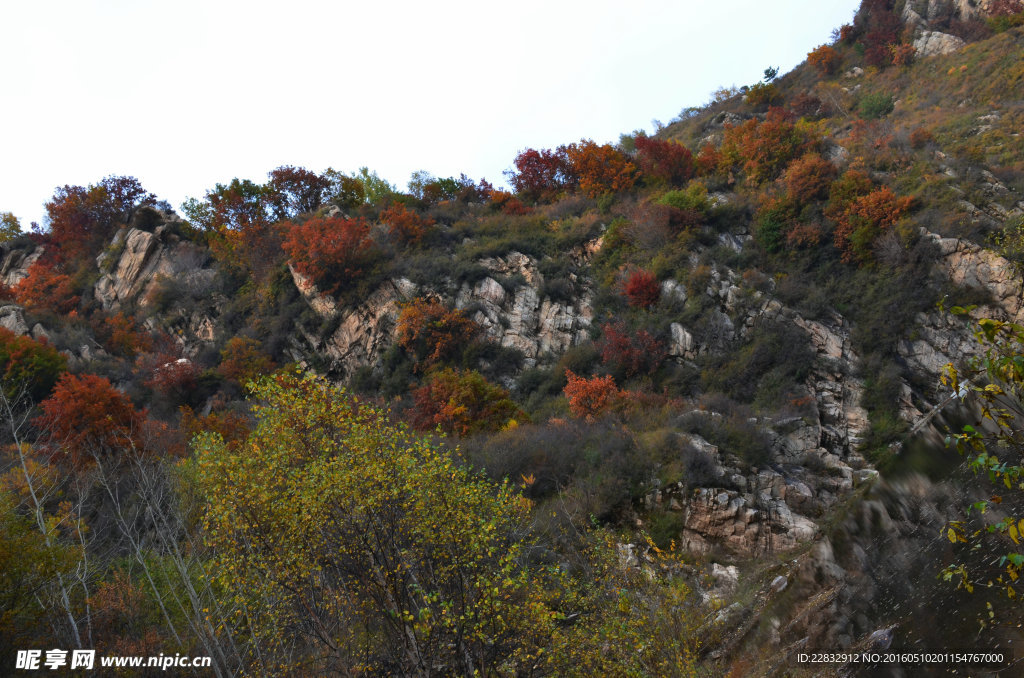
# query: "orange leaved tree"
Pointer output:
{"type": "Point", "coordinates": [87, 417]}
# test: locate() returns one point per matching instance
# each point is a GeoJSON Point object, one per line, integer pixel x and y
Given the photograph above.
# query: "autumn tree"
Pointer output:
{"type": "Point", "coordinates": [333, 251]}
{"type": "Point", "coordinates": [641, 288]}
{"type": "Point", "coordinates": [880, 28]}
{"type": "Point", "coordinates": [80, 218]}
{"type": "Point", "coordinates": [349, 542]}
{"type": "Point", "coordinates": [825, 58]}
{"type": "Point", "coordinates": [865, 218]}
{"type": "Point", "coordinates": [345, 191]}
{"type": "Point", "coordinates": [86, 417]}
{"type": "Point", "coordinates": [600, 169]}
{"type": "Point", "coordinates": [763, 148]}
{"type": "Point", "coordinates": [431, 190]}
{"type": "Point", "coordinates": [590, 397]}
{"type": "Point", "coordinates": [239, 223]}
{"type": "Point", "coordinates": [242, 360]}
{"type": "Point", "coordinates": [543, 174]}
{"type": "Point", "coordinates": [709, 160]}
{"type": "Point", "coordinates": [47, 288]}
{"type": "Point", "coordinates": [629, 353]}
{"type": "Point", "coordinates": [808, 178]}
{"type": "Point", "coordinates": [405, 225]}
{"type": "Point", "coordinates": [121, 336]}
{"type": "Point", "coordinates": [10, 227]}
{"type": "Point", "coordinates": [296, 190]}
{"type": "Point", "coordinates": [28, 366]}
{"type": "Point", "coordinates": [167, 370]}
{"type": "Point", "coordinates": [30, 561]}
{"type": "Point", "coordinates": [993, 447]}
{"type": "Point", "coordinates": [463, 402]}
{"type": "Point", "coordinates": [661, 161]}
{"type": "Point", "coordinates": [431, 333]}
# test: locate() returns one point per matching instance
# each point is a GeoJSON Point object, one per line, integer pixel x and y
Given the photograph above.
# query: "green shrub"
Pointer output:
{"type": "Point", "coordinates": [693, 197]}
{"type": "Point", "coordinates": [874, 106]}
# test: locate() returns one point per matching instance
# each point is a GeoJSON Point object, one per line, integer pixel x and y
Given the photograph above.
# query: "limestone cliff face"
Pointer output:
{"type": "Point", "coordinates": [15, 262]}
{"type": "Point", "coordinates": [746, 511]}
{"type": "Point", "coordinates": [929, 19]}
{"type": "Point", "coordinates": [142, 268]}
{"type": "Point", "coordinates": [519, 317]}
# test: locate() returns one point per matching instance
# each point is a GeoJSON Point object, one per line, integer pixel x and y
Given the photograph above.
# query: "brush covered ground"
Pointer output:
{"type": "Point", "coordinates": [627, 418]}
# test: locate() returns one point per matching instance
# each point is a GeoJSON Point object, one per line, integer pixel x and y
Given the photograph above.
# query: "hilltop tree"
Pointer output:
{"type": "Point", "coordinates": [10, 227]}
{"type": "Point", "coordinates": [296, 190]}
{"type": "Point", "coordinates": [541, 175]}
{"type": "Point", "coordinates": [239, 223]}
{"type": "Point", "coordinates": [80, 218]}
{"type": "Point", "coordinates": [600, 169]}
{"type": "Point", "coordinates": [333, 251]}
{"type": "Point", "coordinates": [661, 161]}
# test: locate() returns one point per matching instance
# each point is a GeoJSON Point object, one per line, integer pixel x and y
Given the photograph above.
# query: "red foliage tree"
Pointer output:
{"type": "Point", "coordinates": [296, 190]}
{"type": "Point", "coordinates": [541, 175]}
{"type": "Point", "coordinates": [600, 169]}
{"type": "Point", "coordinates": [405, 226]}
{"type": "Point", "coordinates": [764, 148]}
{"type": "Point", "coordinates": [508, 203]}
{"type": "Point", "coordinates": [124, 620]}
{"type": "Point", "coordinates": [590, 397]}
{"type": "Point", "coordinates": [1005, 7]}
{"type": "Point", "coordinates": [431, 333]}
{"type": "Point", "coordinates": [81, 218]}
{"type": "Point", "coordinates": [121, 336]}
{"type": "Point", "coordinates": [333, 251]}
{"type": "Point", "coordinates": [808, 178]}
{"type": "Point", "coordinates": [239, 222]}
{"type": "Point", "coordinates": [881, 28]}
{"type": "Point", "coordinates": [851, 185]}
{"type": "Point", "coordinates": [709, 160]}
{"type": "Point", "coordinates": [86, 417]}
{"type": "Point", "coordinates": [865, 219]}
{"type": "Point", "coordinates": [629, 354]}
{"type": "Point", "coordinates": [825, 59]}
{"type": "Point", "coordinates": [45, 288]}
{"type": "Point", "coordinates": [233, 427]}
{"type": "Point", "coordinates": [641, 289]}
{"type": "Point", "coordinates": [663, 161]}
{"type": "Point", "coordinates": [463, 403]}
{"type": "Point", "coordinates": [167, 370]}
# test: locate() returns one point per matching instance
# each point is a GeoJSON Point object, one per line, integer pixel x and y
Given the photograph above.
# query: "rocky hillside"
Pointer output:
{"type": "Point", "coordinates": [757, 305]}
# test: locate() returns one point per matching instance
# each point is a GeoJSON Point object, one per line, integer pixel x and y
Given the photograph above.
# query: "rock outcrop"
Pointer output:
{"type": "Point", "coordinates": [515, 315]}
{"type": "Point", "coordinates": [15, 262]}
{"type": "Point", "coordinates": [931, 43]}
{"type": "Point", "coordinates": [521, 318]}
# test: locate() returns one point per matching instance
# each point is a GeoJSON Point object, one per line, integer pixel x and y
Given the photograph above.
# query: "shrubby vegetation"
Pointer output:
{"type": "Point", "coordinates": [476, 525]}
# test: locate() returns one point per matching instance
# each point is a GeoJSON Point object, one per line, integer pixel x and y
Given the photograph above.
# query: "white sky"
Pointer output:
{"type": "Point", "coordinates": [183, 94]}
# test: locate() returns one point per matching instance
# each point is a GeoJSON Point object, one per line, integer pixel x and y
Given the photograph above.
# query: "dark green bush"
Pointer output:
{"type": "Point", "coordinates": [876, 105]}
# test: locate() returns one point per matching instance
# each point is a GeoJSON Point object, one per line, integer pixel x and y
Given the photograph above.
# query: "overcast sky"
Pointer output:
{"type": "Point", "coordinates": [184, 94]}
